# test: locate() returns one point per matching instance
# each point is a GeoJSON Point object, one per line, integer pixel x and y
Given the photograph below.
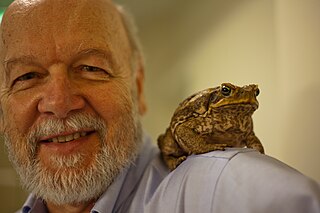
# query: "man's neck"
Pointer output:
{"type": "Point", "coordinates": [70, 208]}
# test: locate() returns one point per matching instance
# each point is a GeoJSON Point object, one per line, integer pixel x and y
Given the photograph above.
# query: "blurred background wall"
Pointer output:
{"type": "Point", "coordinates": [192, 45]}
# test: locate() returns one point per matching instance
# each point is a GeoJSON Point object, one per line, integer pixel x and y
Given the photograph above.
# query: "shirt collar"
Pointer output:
{"type": "Point", "coordinates": [34, 204]}
{"type": "Point", "coordinates": [107, 201]}
{"type": "Point", "coordinates": [120, 190]}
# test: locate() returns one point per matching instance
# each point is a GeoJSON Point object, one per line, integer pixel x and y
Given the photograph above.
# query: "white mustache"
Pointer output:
{"type": "Point", "coordinates": [75, 122]}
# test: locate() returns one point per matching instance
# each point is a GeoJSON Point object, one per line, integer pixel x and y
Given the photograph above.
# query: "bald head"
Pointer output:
{"type": "Point", "coordinates": [37, 13]}
{"type": "Point", "coordinates": [40, 20]}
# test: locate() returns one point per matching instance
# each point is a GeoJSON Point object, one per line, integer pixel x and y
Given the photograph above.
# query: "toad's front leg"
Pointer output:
{"type": "Point", "coordinates": [194, 143]}
{"type": "Point", "coordinates": [253, 142]}
{"type": "Point", "coordinates": [171, 152]}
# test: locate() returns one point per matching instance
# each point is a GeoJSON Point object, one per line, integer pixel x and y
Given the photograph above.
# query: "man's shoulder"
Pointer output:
{"type": "Point", "coordinates": [239, 168]}
{"type": "Point", "coordinates": [243, 178]}
{"type": "Point", "coordinates": [235, 162]}
{"type": "Point", "coordinates": [214, 163]}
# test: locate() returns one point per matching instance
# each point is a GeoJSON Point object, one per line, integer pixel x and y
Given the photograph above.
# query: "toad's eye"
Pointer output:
{"type": "Point", "coordinates": [226, 91]}
{"type": "Point", "coordinates": [257, 92]}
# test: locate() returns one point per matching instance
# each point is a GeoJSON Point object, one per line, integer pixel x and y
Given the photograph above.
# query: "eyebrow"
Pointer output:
{"type": "Point", "coordinates": [31, 60]}
{"type": "Point", "coordinates": [25, 60]}
{"type": "Point", "coordinates": [96, 52]}
{"type": "Point", "coordinates": [28, 59]}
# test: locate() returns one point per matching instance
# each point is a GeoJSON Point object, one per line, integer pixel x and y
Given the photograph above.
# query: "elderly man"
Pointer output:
{"type": "Point", "coordinates": [71, 97]}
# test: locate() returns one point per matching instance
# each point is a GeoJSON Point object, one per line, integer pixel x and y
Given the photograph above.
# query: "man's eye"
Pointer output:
{"type": "Point", "coordinates": [91, 68]}
{"type": "Point", "coordinates": [93, 73]}
{"type": "Point", "coordinates": [26, 80]}
{"type": "Point", "coordinates": [27, 76]}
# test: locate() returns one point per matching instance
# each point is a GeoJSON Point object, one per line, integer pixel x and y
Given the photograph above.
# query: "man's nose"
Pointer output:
{"type": "Point", "coordinates": [60, 96]}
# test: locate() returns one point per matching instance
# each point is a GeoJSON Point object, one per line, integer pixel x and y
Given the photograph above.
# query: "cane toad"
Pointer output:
{"type": "Point", "coordinates": [212, 119]}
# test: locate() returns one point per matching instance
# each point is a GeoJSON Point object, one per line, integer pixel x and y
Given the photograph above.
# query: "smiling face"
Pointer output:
{"type": "Point", "coordinates": [69, 96]}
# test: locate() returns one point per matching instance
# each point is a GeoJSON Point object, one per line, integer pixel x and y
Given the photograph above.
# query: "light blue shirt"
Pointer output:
{"type": "Point", "coordinates": [235, 180]}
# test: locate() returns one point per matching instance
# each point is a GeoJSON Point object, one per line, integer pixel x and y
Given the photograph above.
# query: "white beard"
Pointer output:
{"type": "Point", "coordinates": [70, 182]}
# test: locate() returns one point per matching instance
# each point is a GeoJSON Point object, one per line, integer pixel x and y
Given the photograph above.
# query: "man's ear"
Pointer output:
{"type": "Point", "coordinates": [142, 106]}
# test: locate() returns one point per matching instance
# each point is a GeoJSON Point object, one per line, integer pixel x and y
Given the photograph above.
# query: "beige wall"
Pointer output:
{"type": "Point", "coordinates": [298, 68]}
{"type": "Point", "coordinates": [191, 46]}
{"type": "Point", "coordinates": [275, 44]}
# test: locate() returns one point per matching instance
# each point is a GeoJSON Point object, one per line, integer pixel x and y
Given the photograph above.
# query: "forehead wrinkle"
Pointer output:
{"type": "Point", "coordinates": [70, 17]}
{"type": "Point", "coordinates": [75, 15]}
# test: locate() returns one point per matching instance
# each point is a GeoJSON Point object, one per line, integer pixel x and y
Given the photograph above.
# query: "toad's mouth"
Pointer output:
{"type": "Point", "coordinates": [243, 105]}
{"type": "Point", "coordinates": [65, 138]}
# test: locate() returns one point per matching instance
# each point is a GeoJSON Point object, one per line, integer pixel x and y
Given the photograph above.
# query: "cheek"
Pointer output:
{"type": "Point", "coordinates": [20, 112]}
{"type": "Point", "coordinates": [20, 152]}
{"type": "Point", "coordinates": [117, 109]}
{"type": "Point", "coordinates": [111, 103]}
